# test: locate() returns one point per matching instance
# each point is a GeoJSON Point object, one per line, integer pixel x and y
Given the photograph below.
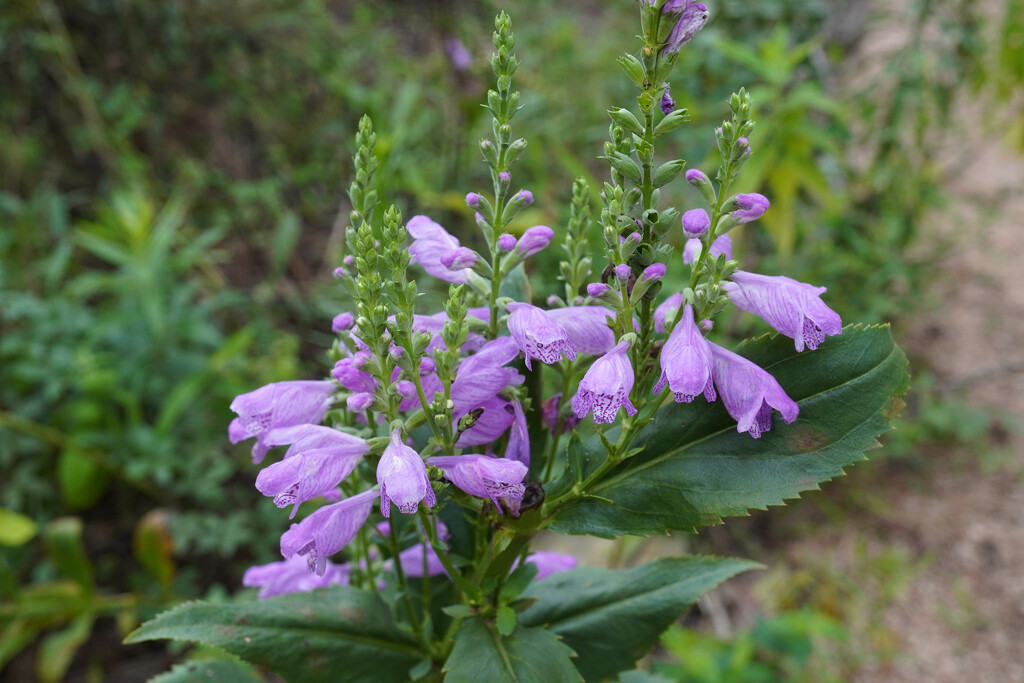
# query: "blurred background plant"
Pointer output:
{"type": "Point", "coordinates": [169, 219]}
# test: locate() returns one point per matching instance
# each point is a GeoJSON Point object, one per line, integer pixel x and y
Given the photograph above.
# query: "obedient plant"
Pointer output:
{"type": "Point", "coordinates": [445, 440]}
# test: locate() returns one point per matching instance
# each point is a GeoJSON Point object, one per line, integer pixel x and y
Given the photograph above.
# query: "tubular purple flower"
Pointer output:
{"type": "Point", "coordinates": [459, 259]}
{"type": "Point", "coordinates": [496, 416]}
{"type": "Point", "coordinates": [342, 322]}
{"type": "Point", "coordinates": [751, 207]}
{"type": "Point", "coordinates": [749, 393]}
{"type": "Point", "coordinates": [538, 334]}
{"type": "Point", "coordinates": [587, 327]}
{"type": "Point", "coordinates": [686, 362]}
{"type": "Point", "coordinates": [339, 272]}
{"type": "Point", "coordinates": [534, 240]}
{"type": "Point", "coordinates": [265, 412]}
{"type": "Point", "coordinates": [654, 272]}
{"type": "Point", "coordinates": [550, 412]}
{"type": "Point", "coordinates": [793, 308]}
{"type": "Point", "coordinates": [402, 478]}
{"type": "Point", "coordinates": [691, 21]}
{"type": "Point", "coordinates": [430, 243]}
{"type": "Point", "coordinates": [672, 303]}
{"type": "Point", "coordinates": [499, 479]}
{"type": "Point", "coordinates": [292, 576]}
{"type": "Point", "coordinates": [696, 222]}
{"type": "Point", "coordinates": [507, 242]}
{"type": "Point", "coordinates": [721, 245]}
{"type": "Point", "coordinates": [316, 462]}
{"type": "Point", "coordinates": [606, 386]}
{"type": "Point", "coordinates": [327, 530]}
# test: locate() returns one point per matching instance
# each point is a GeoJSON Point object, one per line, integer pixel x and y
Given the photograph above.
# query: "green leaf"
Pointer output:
{"type": "Point", "coordinates": [63, 538]}
{"type": "Point", "coordinates": [220, 670]}
{"type": "Point", "coordinates": [611, 618]}
{"type": "Point", "coordinates": [695, 468]}
{"type": "Point", "coordinates": [505, 620]}
{"type": "Point", "coordinates": [15, 529]}
{"type": "Point", "coordinates": [339, 633]}
{"type": "Point", "coordinates": [529, 655]}
{"type": "Point", "coordinates": [58, 649]}
{"type": "Point", "coordinates": [82, 480]}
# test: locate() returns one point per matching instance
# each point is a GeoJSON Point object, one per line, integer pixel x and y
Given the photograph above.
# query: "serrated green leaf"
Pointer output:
{"type": "Point", "coordinates": [339, 633]}
{"type": "Point", "coordinates": [611, 618]}
{"type": "Point", "coordinates": [529, 655]}
{"type": "Point", "coordinates": [696, 469]}
{"type": "Point", "coordinates": [219, 670]}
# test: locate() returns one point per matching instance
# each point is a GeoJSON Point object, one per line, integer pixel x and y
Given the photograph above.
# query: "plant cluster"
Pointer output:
{"type": "Point", "coordinates": [445, 441]}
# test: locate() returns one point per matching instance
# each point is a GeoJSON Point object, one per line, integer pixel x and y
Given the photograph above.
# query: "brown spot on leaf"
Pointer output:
{"type": "Point", "coordinates": [805, 438]}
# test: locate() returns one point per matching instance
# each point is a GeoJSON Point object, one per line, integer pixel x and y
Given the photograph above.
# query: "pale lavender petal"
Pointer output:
{"type": "Point", "coordinates": [606, 386]}
{"type": "Point", "coordinates": [793, 308]}
{"type": "Point", "coordinates": [292, 576]}
{"type": "Point", "coordinates": [586, 327]}
{"type": "Point", "coordinates": [327, 530]}
{"type": "Point", "coordinates": [497, 416]}
{"type": "Point", "coordinates": [749, 393]}
{"type": "Point", "coordinates": [499, 479]}
{"type": "Point", "coordinates": [430, 243]}
{"type": "Point", "coordinates": [538, 334]}
{"type": "Point", "coordinates": [686, 362]}
{"type": "Point", "coordinates": [402, 478]}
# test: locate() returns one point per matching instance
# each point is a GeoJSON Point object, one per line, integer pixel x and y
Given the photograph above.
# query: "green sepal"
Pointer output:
{"type": "Point", "coordinates": [668, 172]}
{"type": "Point", "coordinates": [672, 121]}
{"type": "Point", "coordinates": [625, 118]}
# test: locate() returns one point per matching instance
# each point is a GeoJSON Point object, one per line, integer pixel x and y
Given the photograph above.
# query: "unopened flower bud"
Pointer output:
{"type": "Point", "coordinates": [534, 240]}
{"type": "Point", "coordinates": [339, 272]}
{"type": "Point", "coordinates": [472, 199]}
{"type": "Point", "coordinates": [597, 289]}
{"type": "Point", "coordinates": [654, 272]}
{"type": "Point", "coordinates": [751, 207]}
{"type": "Point", "coordinates": [460, 258]}
{"type": "Point", "coordinates": [359, 402]}
{"type": "Point", "coordinates": [525, 196]}
{"type": "Point", "coordinates": [405, 388]}
{"type": "Point", "coordinates": [742, 143]}
{"type": "Point", "coordinates": [695, 176]}
{"type": "Point", "coordinates": [696, 222]}
{"type": "Point", "coordinates": [349, 260]}
{"type": "Point", "coordinates": [342, 322]}
{"type": "Point", "coordinates": [622, 271]}
{"type": "Point", "coordinates": [667, 103]}
{"type": "Point", "coordinates": [507, 242]}
{"type": "Point", "coordinates": [505, 177]}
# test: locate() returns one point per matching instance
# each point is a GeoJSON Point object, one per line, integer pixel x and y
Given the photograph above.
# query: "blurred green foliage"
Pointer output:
{"type": "Point", "coordinates": [169, 219]}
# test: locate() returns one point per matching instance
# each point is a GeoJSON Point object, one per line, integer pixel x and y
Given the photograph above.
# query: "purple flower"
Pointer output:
{"type": "Point", "coordinates": [317, 461]}
{"type": "Point", "coordinates": [505, 177]}
{"type": "Point", "coordinates": [696, 222]}
{"type": "Point", "coordinates": [342, 322]}
{"type": "Point", "coordinates": [550, 412]}
{"type": "Point", "coordinates": [472, 199]}
{"type": "Point", "coordinates": [359, 402]}
{"type": "Point", "coordinates": [686, 361]}
{"type": "Point", "coordinates": [461, 57]}
{"type": "Point", "coordinates": [292, 576]}
{"type": "Point", "coordinates": [655, 272]}
{"type": "Point", "coordinates": [751, 207]}
{"type": "Point", "coordinates": [507, 242]}
{"type": "Point", "coordinates": [518, 436]}
{"type": "Point", "coordinates": [534, 240]}
{"type": "Point", "coordinates": [327, 530]}
{"type": "Point", "coordinates": [402, 478]}
{"type": "Point", "coordinates": [414, 558]}
{"type": "Point", "coordinates": [482, 376]}
{"type": "Point", "coordinates": [623, 271]}
{"type": "Point", "coordinates": [667, 103]}
{"type": "Point", "coordinates": [524, 196]}
{"type": "Point", "coordinates": [693, 18]}
{"type": "Point", "coordinates": [538, 334]}
{"type": "Point", "coordinates": [430, 243]}
{"type": "Point", "coordinates": [749, 393]}
{"type": "Point", "coordinates": [597, 289]}
{"type": "Point", "coordinates": [499, 479]}
{"type": "Point", "coordinates": [721, 245]}
{"type": "Point", "coordinates": [606, 386]}
{"type": "Point", "coordinates": [496, 416]}
{"type": "Point", "coordinates": [661, 312]}
{"type": "Point", "coordinates": [459, 259]}
{"type": "Point", "coordinates": [587, 327]}
{"type": "Point", "coordinates": [549, 563]}
{"type": "Point", "coordinates": [348, 374]}
{"type": "Point", "coordinates": [793, 308]}
{"type": "Point", "coordinates": [263, 413]}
